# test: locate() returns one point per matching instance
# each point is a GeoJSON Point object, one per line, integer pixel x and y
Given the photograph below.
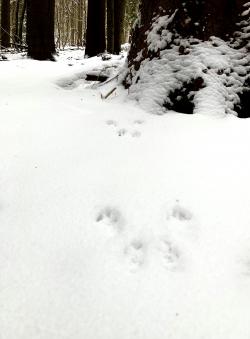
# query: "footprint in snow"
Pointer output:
{"type": "Point", "coordinates": [170, 254]}
{"type": "Point", "coordinates": [243, 260]}
{"type": "Point", "coordinates": [110, 217]}
{"type": "Point", "coordinates": [181, 213]}
{"type": "Point", "coordinates": [111, 123]}
{"type": "Point", "coordinates": [180, 222]}
{"type": "Point", "coordinates": [136, 134]}
{"type": "Point", "coordinates": [180, 228]}
{"type": "Point", "coordinates": [138, 122]}
{"type": "Point", "coordinates": [135, 254]}
{"type": "Point", "coordinates": [121, 132]}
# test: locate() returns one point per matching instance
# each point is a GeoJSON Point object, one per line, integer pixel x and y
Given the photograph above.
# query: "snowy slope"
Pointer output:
{"type": "Point", "coordinates": [115, 223]}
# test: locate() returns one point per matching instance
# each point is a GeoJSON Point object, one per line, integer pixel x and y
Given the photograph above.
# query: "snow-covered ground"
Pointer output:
{"type": "Point", "coordinates": [115, 223]}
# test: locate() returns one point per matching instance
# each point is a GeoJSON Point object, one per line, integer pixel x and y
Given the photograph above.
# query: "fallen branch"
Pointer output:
{"type": "Point", "coordinates": [96, 77]}
{"type": "Point", "coordinates": [108, 94]}
{"type": "Point", "coordinates": [109, 80]}
{"type": "Point", "coordinates": [3, 58]}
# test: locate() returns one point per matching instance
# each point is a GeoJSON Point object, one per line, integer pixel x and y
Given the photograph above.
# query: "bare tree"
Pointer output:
{"type": "Point", "coordinates": [70, 22]}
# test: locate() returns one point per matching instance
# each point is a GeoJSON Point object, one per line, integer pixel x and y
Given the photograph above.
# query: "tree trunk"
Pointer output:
{"type": "Point", "coordinates": [20, 29]}
{"type": "Point", "coordinates": [40, 29]}
{"type": "Point", "coordinates": [174, 32]}
{"type": "Point", "coordinates": [5, 23]}
{"type": "Point", "coordinates": [80, 23]}
{"type": "Point", "coordinates": [16, 23]}
{"type": "Point", "coordinates": [110, 26]}
{"type": "Point", "coordinates": [119, 10]}
{"type": "Point", "coordinates": [72, 26]}
{"type": "Point", "coordinates": [200, 19]}
{"type": "Point", "coordinates": [95, 37]}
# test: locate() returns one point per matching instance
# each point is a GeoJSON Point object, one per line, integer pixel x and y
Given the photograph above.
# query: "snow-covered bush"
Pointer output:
{"type": "Point", "coordinates": [190, 75]}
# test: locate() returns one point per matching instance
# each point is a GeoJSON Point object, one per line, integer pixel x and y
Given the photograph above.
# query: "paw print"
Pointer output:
{"type": "Point", "coordinates": [110, 217]}
{"type": "Point", "coordinates": [111, 123]}
{"type": "Point", "coordinates": [135, 254]}
{"type": "Point", "coordinates": [170, 254]}
{"type": "Point", "coordinates": [121, 132]}
{"type": "Point", "coordinates": [181, 213]}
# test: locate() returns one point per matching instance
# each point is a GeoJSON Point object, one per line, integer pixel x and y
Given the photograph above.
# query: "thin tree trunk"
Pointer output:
{"type": "Point", "coordinates": [84, 20]}
{"type": "Point", "coordinates": [72, 25]}
{"type": "Point", "coordinates": [20, 30]}
{"type": "Point", "coordinates": [80, 23]}
{"type": "Point", "coordinates": [16, 40]}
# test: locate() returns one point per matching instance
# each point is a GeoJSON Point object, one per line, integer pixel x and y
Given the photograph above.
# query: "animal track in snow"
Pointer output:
{"type": "Point", "coordinates": [170, 253]}
{"type": "Point", "coordinates": [181, 213]}
{"type": "Point", "coordinates": [243, 261]}
{"type": "Point", "coordinates": [136, 134]}
{"type": "Point", "coordinates": [179, 233]}
{"type": "Point", "coordinates": [180, 223]}
{"type": "Point", "coordinates": [172, 245]}
{"type": "Point", "coordinates": [138, 122]}
{"type": "Point", "coordinates": [135, 254]}
{"type": "Point", "coordinates": [121, 132]}
{"type": "Point", "coordinates": [111, 217]}
{"type": "Point", "coordinates": [111, 123]}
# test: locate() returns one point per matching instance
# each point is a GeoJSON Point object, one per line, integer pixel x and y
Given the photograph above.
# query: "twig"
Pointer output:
{"type": "Point", "coordinates": [109, 80]}
{"type": "Point", "coordinates": [108, 94]}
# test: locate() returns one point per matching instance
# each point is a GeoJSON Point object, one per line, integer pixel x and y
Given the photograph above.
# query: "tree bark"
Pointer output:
{"type": "Point", "coordinates": [20, 29]}
{"type": "Point", "coordinates": [40, 29]}
{"type": "Point", "coordinates": [16, 23]}
{"type": "Point", "coordinates": [110, 26]}
{"type": "Point", "coordinates": [80, 23]}
{"type": "Point", "coordinates": [173, 32]}
{"type": "Point", "coordinates": [5, 23]}
{"type": "Point", "coordinates": [200, 19]}
{"type": "Point", "coordinates": [95, 37]}
{"type": "Point", "coordinates": [119, 10]}
{"type": "Point", "coordinates": [72, 25]}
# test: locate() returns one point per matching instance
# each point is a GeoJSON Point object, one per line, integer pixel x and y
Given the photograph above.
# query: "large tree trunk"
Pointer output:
{"type": "Point", "coordinates": [40, 29]}
{"type": "Point", "coordinates": [5, 23]}
{"type": "Point", "coordinates": [119, 12]}
{"type": "Point", "coordinates": [200, 19]}
{"type": "Point", "coordinates": [95, 37]}
{"type": "Point", "coordinates": [110, 26]}
{"type": "Point", "coordinates": [189, 41]}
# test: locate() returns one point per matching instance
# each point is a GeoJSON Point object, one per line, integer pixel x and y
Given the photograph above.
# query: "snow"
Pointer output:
{"type": "Point", "coordinates": [159, 36]}
{"type": "Point", "coordinates": [174, 62]}
{"type": "Point", "coordinates": [115, 223]}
